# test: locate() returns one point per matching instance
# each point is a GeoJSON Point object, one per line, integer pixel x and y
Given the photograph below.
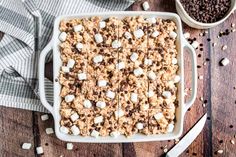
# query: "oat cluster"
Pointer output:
{"type": "Point", "coordinates": [118, 77]}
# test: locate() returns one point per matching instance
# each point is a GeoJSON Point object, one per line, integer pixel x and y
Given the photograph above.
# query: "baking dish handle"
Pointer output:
{"type": "Point", "coordinates": [191, 50]}
{"type": "Point", "coordinates": [41, 73]}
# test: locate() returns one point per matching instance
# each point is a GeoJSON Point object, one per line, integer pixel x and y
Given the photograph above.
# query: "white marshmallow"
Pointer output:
{"type": "Point", "coordinates": [26, 145]}
{"type": "Point", "coordinates": [170, 128]}
{"type": "Point", "coordinates": [115, 134]}
{"type": "Point", "coordinates": [195, 44]}
{"type": "Point", "coordinates": [49, 131]}
{"type": "Point", "coordinates": [69, 146]}
{"type": "Point", "coordinates": [98, 38]}
{"type": "Point", "coordinates": [82, 76]}
{"type": "Point", "coordinates": [75, 130]}
{"type": "Point", "coordinates": [102, 24]}
{"type": "Point", "coordinates": [62, 36]}
{"type": "Point", "coordinates": [139, 126]}
{"type": "Point", "coordinates": [158, 116]}
{"type": "Point", "coordinates": [64, 130]}
{"type": "Point", "coordinates": [102, 83]}
{"type": "Point", "coordinates": [98, 59]}
{"type": "Point", "coordinates": [70, 63]}
{"type": "Point", "coordinates": [151, 20]}
{"type": "Point", "coordinates": [119, 113]}
{"type": "Point", "coordinates": [87, 103]}
{"type": "Point", "coordinates": [151, 75]}
{"type": "Point", "coordinates": [120, 65]}
{"type": "Point", "coordinates": [101, 104]}
{"type": "Point", "coordinates": [224, 61]}
{"type": "Point", "coordinates": [176, 79]}
{"type": "Point", "coordinates": [79, 46]}
{"type": "Point", "coordinates": [116, 44]}
{"type": "Point", "coordinates": [134, 97]}
{"type": "Point", "coordinates": [95, 133]}
{"type": "Point", "coordinates": [145, 107]}
{"type": "Point", "coordinates": [150, 94]}
{"type": "Point", "coordinates": [78, 28]}
{"type": "Point", "coordinates": [186, 35]}
{"type": "Point", "coordinates": [110, 94]}
{"type": "Point", "coordinates": [69, 98]}
{"type": "Point", "coordinates": [155, 34]}
{"type": "Point", "coordinates": [74, 117]}
{"type": "Point", "coordinates": [134, 57]}
{"type": "Point", "coordinates": [138, 33]}
{"type": "Point", "coordinates": [174, 61]}
{"type": "Point", "coordinates": [166, 94]}
{"type": "Point", "coordinates": [173, 35]}
{"type": "Point", "coordinates": [65, 69]}
{"type": "Point", "coordinates": [39, 150]}
{"type": "Point", "coordinates": [147, 61]}
{"type": "Point", "coordinates": [44, 117]}
{"type": "Point", "coordinates": [128, 35]}
{"type": "Point", "coordinates": [98, 119]}
{"type": "Point", "coordinates": [146, 6]}
{"type": "Point", "coordinates": [138, 71]}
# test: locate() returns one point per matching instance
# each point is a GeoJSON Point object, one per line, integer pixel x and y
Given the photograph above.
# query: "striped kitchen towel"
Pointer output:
{"type": "Point", "coordinates": [19, 49]}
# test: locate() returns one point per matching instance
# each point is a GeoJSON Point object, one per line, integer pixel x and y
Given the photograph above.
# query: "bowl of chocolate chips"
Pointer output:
{"type": "Point", "coordinates": [203, 14]}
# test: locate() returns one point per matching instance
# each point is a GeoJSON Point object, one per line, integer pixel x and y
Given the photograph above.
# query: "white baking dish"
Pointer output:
{"type": "Point", "coordinates": [180, 111]}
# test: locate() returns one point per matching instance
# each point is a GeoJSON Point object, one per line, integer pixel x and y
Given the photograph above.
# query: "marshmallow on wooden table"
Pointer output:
{"type": "Point", "coordinates": [146, 6]}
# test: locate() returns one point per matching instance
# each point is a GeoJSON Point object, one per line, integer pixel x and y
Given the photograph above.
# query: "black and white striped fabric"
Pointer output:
{"type": "Point", "coordinates": [19, 21]}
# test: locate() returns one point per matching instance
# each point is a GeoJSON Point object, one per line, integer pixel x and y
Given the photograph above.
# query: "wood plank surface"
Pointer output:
{"type": "Point", "coordinates": [216, 89]}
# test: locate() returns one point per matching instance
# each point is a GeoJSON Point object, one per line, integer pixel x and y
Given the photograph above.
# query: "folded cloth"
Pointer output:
{"type": "Point", "coordinates": [18, 49]}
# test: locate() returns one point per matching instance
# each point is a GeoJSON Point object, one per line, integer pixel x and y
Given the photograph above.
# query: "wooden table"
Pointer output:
{"type": "Point", "coordinates": [216, 88]}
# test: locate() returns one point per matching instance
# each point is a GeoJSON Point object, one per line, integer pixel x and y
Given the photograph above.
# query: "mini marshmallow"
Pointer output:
{"type": "Point", "coordinates": [110, 94]}
{"type": "Point", "coordinates": [98, 59]}
{"type": "Point", "coordinates": [95, 133]}
{"type": "Point", "coordinates": [69, 98]}
{"type": "Point", "coordinates": [65, 69]}
{"type": "Point", "coordinates": [70, 63]}
{"type": "Point", "coordinates": [147, 61]}
{"type": "Point", "coordinates": [166, 94]}
{"type": "Point", "coordinates": [64, 130]}
{"type": "Point", "coordinates": [120, 65]}
{"type": "Point", "coordinates": [101, 104]}
{"type": "Point", "coordinates": [69, 146]}
{"type": "Point", "coordinates": [176, 79]}
{"type": "Point", "coordinates": [134, 97]}
{"type": "Point", "coordinates": [79, 46]}
{"type": "Point", "coordinates": [134, 57]}
{"type": "Point", "coordinates": [170, 128]}
{"type": "Point", "coordinates": [151, 75]}
{"type": "Point", "coordinates": [150, 94]}
{"type": "Point", "coordinates": [39, 150]}
{"type": "Point", "coordinates": [186, 35]}
{"type": "Point", "coordinates": [195, 44]}
{"type": "Point", "coordinates": [82, 76]}
{"type": "Point", "coordinates": [44, 117]}
{"type": "Point", "coordinates": [151, 20]}
{"type": "Point", "coordinates": [98, 119]}
{"type": "Point", "coordinates": [74, 117]}
{"type": "Point", "coordinates": [146, 6]}
{"type": "Point", "coordinates": [174, 61]}
{"type": "Point", "coordinates": [116, 44]}
{"type": "Point", "coordinates": [87, 103]}
{"type": "Point", "coordinates": [119, 113]}
{"type": "Point", "coordinates": [145, 107]}
{"type": "Point", "coordinates": [128, 35]}
{"type": "Point", "coordinates": [62, 36]}
{"type": "Point", "coordinates": [224, 61]}
{"type": "Point", "coordinates": [102, 24]}
{"type": "Point", "coordinates": [102, 83]}
{"type": "Point", "coordinates": [115, 134]}
{"type": "Point", "coordinates": [26, 145]}
{"type": "Point", "coordinates": [49, 131]}
{"type": "Point", "coordinates": [139, 126]}
{"type": "Point", "coordinates": [75, 130]}
{"type": "Point", "coordinates": [138, 71]}
{"type": "Point", "coordinates": [155, 34]}
{"type": "Point", "coordinates": [158, 116]}
{"type": "Point", "coordinates": [173, 35]}
{"type": "Point", "coordinates": [78, 28]}
{"type": "Point", "coordinates": [98, 38]}
{"type": "Point", "coordinates": [138, 33]}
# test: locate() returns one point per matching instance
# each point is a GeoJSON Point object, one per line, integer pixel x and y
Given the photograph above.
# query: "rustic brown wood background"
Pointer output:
{"type": "Point", "coordinates": [216, 87]}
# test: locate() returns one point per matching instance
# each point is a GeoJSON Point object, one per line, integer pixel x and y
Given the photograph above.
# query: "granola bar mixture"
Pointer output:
{"type": "Point", "coordinates": [118, 77]}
